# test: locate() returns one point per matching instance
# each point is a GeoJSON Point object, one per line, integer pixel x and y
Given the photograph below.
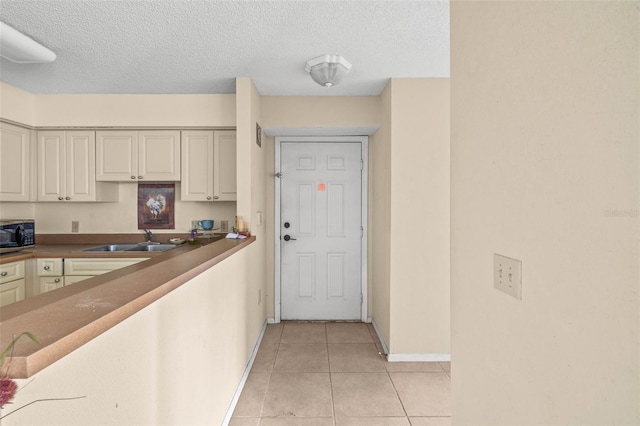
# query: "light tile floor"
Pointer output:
{"type": "Point", "coordinates": [334, 374]}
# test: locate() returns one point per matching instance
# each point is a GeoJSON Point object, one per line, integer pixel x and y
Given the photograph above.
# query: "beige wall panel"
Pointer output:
{"type": "Point", "coordinates": [545, 169]}
{"type": "Point", "coordinates": [135, 110]}
{"type": "Point", "coordinates": [17, 105]}
{"type": "Point", "coordinates": [380, 219]}
{"type": "Point", "coordinates": [419, 203]}
{"type": "Point", "coordinates": [320, 111]}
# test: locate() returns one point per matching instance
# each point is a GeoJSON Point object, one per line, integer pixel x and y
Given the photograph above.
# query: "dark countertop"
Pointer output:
{"type": "Point", "coordinates": [66, 318]}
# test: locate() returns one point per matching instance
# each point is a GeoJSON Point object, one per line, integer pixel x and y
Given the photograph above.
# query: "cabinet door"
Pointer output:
{"type": "Point", "coordinates": [15, 162]}
{"type": "Point", "coordinates": [159, 155]}
{"type": "Point", "coordinates": [12, 292]}
{"type": "Point", "coordinates": [117, 155]}
{"type": "Point", "coordinates": [197, 165]}
{"type": "Point", "coordinates": [81, 166]}
{"type": "Point", "coordinates": [224, 165]}
{"type": "Point", "coordinates": [68, 280]}
{"type": "Point", "coordinates": [51, 166]}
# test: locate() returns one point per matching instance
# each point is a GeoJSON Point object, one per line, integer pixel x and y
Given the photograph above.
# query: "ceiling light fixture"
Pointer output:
{"type": "Point", "coordinates": [22, 49]}
{"type": "Point", "coordinates": [328, 70]}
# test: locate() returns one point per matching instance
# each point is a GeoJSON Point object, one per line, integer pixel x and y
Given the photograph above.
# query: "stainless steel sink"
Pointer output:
{"type": "Point", "coordinates": [152, 247]}
{"type": "Point", "coordinates": [112, 247]}
{"type": "Point", "coordinates": [132, 247]}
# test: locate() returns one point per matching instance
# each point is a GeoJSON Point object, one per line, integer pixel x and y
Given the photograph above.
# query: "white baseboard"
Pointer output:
{"type": "Point", "coordinates": [245, 374]}
{"type": "Point", "coordinates": [271, 321]}
{"type": "Point", "coordinates": [418, 357]}
{"type": "Point", "coordinates": [407, 357]}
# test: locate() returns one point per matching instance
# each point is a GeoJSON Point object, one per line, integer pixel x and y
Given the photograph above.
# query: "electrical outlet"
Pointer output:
{"type": "Point", "coordinates": [224, 226]}
{"type": "Point", "coordinates": [507, 275]}
{"type": "Point", "coordinates": [75, 226]}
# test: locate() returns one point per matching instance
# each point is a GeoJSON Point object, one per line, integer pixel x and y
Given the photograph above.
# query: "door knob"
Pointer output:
{"type": "Point", "coordinates": [288, 238]}
{"type": "Point", "coordinates": [287, 224]}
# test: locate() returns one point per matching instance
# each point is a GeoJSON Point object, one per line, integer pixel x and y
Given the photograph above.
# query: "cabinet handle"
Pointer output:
{"type": "Point", "coordinates": [133, 177]}
{"type": "Point", "coordinates": [4, 273]}
{"type": "Point", "coordinates": [60, 198]}
{"type": "Point", "coordinates": [67, 198]}
{"type": "Point", "coordinates": [208, 197]}
{"type": "Point", "coordinates": [215, 197]}
{"type": "Point", "coordinates": [46, 267]}
{"type": "Point", "coordinates": [57, 280]}
{"type": "Point", "coordinates": [139, 177]}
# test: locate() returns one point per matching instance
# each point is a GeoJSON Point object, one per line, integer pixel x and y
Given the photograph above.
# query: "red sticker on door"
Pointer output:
{"type": "Point", "coordinates": [321, 187]}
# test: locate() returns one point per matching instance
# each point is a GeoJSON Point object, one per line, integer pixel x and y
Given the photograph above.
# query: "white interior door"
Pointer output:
{"type": "Point", "coordinates": [321, 230]}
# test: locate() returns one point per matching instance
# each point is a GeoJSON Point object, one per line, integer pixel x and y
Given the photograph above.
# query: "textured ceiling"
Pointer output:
{"type": "Point", "coordinates": [180, 46]}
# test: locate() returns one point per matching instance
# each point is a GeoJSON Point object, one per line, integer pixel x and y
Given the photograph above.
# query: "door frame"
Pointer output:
{"type": "Point", "coordinates": [364, 211]}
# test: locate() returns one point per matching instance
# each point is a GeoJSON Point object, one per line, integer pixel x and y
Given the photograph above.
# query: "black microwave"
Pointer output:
{"type": "Point", "coordinates": [16, 234]}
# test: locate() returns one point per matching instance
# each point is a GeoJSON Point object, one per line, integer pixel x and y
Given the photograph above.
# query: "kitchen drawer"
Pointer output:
{"type": "Point", "coordinates": [50, 283]}
{"type": "Point", "coordinates": [11, 271]}
{"type": "Point", "coordinates": [49, 267]}
{"type": "Point", "coordinates": [12, 291]}
{"type": "Point", "coordinates": [79, 266]}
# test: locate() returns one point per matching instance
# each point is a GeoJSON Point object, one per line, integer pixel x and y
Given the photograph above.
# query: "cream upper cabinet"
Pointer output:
{"type": "Point", "coordinates": [208, 165]}
{"type": "Point", "coordinates": [134, 156]}
{"type": "Point", "coordinates": [224, 165]}
{"type": "Point", "coordinates": [66, 168]}
{"type": "Point", "coordinates": [197, 165]}
{"type": "Point", "coordinates": [15, 163]}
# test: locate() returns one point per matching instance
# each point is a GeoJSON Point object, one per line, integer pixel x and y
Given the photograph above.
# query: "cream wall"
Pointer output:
{"type": "Point", "coordinates": [251, 186]}
{"type": "Point", "coordinates": [380, 219]}
{"type": "Point", "coordinates": [164, 365]}
{"type": "Point", "coordinates": [135, 110]}
{"type": "Point", "coordinates": [17, 105]}
{"type": "Point", "coordinates": [419, 219]}
{"type": "Point", "coordinates": [318, 112]}
{"type": "Point", "coordinates": [116, 111]}
{"type": "Point", "coordinates": [545, 169]}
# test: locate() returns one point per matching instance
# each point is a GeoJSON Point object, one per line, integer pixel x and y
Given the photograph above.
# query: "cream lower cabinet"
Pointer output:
{"type": "Point", "coordinates": [12, 282]}
{"type": "Point", "coordinates": [50, 274]}
{"type": "Point", "coordinates": [208, 165]}
{"type": "Point", "coordinates": [15, 163]}
{"type": "Point", "coordinates": [56, 273]}
{"type": "Point", "coordinates": [66, 168]}
{"type": "Point", "coordinates": [135, 156]}
{"type": "Point", "coordinates": [84, 267]}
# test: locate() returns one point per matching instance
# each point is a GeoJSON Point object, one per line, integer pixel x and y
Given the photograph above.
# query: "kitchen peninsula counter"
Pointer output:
{"type": "Point", "coordinates": [65, 319]}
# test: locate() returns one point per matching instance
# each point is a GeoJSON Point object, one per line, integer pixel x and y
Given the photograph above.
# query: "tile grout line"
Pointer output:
{"type": "Point", "coordinates": [273, 367]}
{"type": "Point", "coordinates": [333, 406]}
{"type": "Point", "coordinates": [406, 415]}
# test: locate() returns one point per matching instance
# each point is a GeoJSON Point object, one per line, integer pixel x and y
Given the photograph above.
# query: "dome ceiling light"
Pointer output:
{"type": "Point", "coordinates": [327, 70]}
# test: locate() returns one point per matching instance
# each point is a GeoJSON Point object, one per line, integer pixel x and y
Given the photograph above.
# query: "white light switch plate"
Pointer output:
{"type": "Point", "coordinates": [507, 275]}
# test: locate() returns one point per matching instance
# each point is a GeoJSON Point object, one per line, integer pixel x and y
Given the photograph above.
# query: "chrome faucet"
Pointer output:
{"type": "Point", "coordinates": [149, 235]}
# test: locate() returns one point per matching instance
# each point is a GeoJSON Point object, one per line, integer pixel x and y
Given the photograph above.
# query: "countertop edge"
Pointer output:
{"type": "Point", "coordinates": [84, 315]}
